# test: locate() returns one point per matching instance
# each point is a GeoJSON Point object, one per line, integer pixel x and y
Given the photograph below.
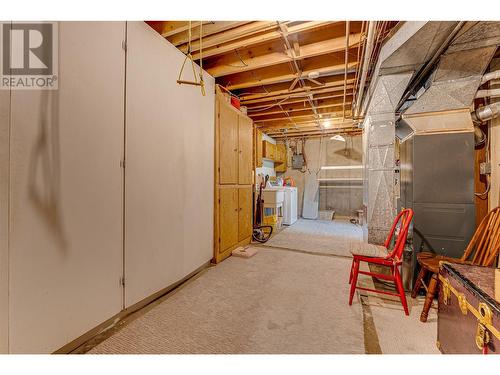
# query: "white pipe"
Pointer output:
{"type": "Point", "coordinates": [366, 62]}
{"type": "Point", "coordinates": [487, 93]}
{"type": "Point", "coordinates": [490, 76]}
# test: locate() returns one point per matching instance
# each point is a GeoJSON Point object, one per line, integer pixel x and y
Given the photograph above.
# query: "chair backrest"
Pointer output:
{"type": "Point", "coordinates": [403, 219]}
{"type": "Point", "coordinates": [485, 244]}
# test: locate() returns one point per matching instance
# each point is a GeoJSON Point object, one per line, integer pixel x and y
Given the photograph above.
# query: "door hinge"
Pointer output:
{"type": "Point", "coordinates": [124, 45]}
{"type": "Point", "coordinates": [122, 163]}
{"type": "Point", "coordinates": [122, 281]}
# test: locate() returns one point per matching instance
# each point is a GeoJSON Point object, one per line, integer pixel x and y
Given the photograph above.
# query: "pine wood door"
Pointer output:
{"type": "Point", "coordinates": [228, 145]}
{"type": "Point", "coordinates": [258, 148]}
{"type": "Point", "coordinates": [245, 212]}
{"type": "Point", "coordinates": [228, 211]}
{"type": "Point", "coordinates": [245, 135]}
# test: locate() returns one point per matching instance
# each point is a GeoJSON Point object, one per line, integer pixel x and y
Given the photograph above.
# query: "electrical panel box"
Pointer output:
{"type": "Point", "coordinates": [297, 161]}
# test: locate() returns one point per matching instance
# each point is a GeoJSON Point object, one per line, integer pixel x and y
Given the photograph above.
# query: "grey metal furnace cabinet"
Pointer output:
{"type": "Point", "coordinates": [437, 182]}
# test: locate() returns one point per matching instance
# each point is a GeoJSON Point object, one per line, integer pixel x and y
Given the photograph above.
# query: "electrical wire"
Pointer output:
{"type": "Point", "coordinates": [269, 107]}
{"type": "Point", "coordinates": [239, 57]}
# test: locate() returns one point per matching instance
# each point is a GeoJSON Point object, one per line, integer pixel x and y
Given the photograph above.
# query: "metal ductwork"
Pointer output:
{"type": "Point", "coordinates": [444, 105]}
{"type": "Point", "coordinates": [438, 137]}
{"type": "Point", "coordinates": [410, 47]}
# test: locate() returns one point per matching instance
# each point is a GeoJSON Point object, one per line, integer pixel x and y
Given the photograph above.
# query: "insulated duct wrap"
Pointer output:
{"type": "Point", "coordinates": [455, 81]}
{"type": "Point", "coordinates": [411, 46]}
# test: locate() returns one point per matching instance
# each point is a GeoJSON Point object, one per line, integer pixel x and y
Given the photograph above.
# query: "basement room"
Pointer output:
{"type": "Point", "coordinates": [300, 182]}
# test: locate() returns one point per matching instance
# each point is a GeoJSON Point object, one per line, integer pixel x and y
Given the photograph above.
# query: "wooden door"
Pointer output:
{"type": "Point", "coordinates": [245, 135]}
{"type": "Point", "coordinates": [228, 144]}
{"type": "Point", "coordinates": [228, 219]}
{"type": "Point", "coordinates": [258, 149]}
{"type": "Point", "coordinates": [245, 212]}
{"type": "Point", "coordinates": [280, 165]}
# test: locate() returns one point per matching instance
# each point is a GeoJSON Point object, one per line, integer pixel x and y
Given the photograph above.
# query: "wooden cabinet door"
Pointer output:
{"type": "Point", "coordinates": [245, 213]}
{"type": "Point", "coordinates": [228, 218]}
{"type": "Point", "coordinates": [258, 149]}
{"type": "Point", "coordinates": [245, 136]}
{"type": "Point", "coordinates": [228, 145]}
{"type": "Point", "coordinates": [280, 165]}
{"type": "Point", "coordinates": [272, 151]}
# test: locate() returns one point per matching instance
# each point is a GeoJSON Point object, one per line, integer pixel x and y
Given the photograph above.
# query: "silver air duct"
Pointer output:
{"type": "Point", "coordinates": [411, 46]}
{"type": "Point", "coordinates": [486, 113]}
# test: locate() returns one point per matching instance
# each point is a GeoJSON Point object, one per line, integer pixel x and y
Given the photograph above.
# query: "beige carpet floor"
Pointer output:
{"type": "Point", "coordinates": [275, 302]}
{"type": "Point", "coordinates": [332, 237]}
{"type": "Point", "coordinates": [397, 333]}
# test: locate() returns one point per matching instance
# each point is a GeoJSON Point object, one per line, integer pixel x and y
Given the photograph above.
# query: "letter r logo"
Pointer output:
{"type": "Point", "coordinates": [27, 49]}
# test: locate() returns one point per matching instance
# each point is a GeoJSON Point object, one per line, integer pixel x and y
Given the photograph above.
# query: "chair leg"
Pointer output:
{"type": "Point", "coordinates": [431, 292]}
{"type": "Point", "coordinates": [354, 280]}
{"type": "Point", "coordinates": [350, 273]}
{"type": "Point", "coordinates": [418, 282]}
{"type": "Point", "coordinates": [400, 289]}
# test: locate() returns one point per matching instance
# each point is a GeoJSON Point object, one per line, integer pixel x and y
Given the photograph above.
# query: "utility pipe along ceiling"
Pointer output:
{"type": "Point", "coordinates": [296, 78]}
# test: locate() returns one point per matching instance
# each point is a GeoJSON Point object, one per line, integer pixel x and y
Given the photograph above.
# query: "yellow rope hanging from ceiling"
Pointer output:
{"type": "Point", "coordinates": [197, 82]}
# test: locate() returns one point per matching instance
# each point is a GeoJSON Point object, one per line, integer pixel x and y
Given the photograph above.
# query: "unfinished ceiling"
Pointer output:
{"type": "Point", "coordinates": [297, 78]}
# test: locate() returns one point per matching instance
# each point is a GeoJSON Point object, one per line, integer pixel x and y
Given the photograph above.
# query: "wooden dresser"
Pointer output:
{"type": "Point", "coordinates": [234, 155]}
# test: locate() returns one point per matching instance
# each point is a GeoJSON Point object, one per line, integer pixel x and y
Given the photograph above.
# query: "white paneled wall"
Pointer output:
{"type": "Point", "coordinates": [66, 193]}
{"type": "Point", "coordinates": [62, 185]}
{"type": "Point", "coordinates": [170, 167]}
{"type": "Point", "coordinates": [4, 219]}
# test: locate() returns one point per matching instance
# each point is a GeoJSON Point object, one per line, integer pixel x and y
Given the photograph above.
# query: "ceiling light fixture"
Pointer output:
{"type": "Point", "coordinates": [326, 124]}
{"type": "Point", "coordinates": [338, 137]}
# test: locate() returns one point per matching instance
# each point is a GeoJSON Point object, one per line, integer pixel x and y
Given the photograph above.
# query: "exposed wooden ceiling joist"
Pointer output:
{"type": "Point", "coordinates": [168, 28]}
{"type": "Point", "coordinates": [294, 77]}
{"type": "Point", "coordinates": [320, 104]}
{"type": "Point", "coordinates": [316, 134]}
{"type": "Point", "coordinates": [235, 63]}
{"type": "Point", "coordinates": [279, 75]}
{"type": "Point", "coordinates": [277, 90]}
{"type": "Point", "coordinates": [294, 100]}
{"type": "Point", "coordinates": [211, 49]}
{"type": "Point", "coordinates": [243, 31]}
{"type": "Point", "coordinates": [297, 117]}
{"type": "Point", "coordinates": [298, 122]}
{"type": "Point", "coordinates": [208, 29]}
{"type": "Point", "coordinates": [271, 98]}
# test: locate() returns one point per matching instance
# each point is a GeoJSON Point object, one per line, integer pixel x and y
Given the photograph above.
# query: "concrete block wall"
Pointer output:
{"type": "Point", "coordinates": [332, 153]}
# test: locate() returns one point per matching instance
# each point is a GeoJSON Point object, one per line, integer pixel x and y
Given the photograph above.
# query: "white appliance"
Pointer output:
{"type": "Point", "coordinates": [290, 205]}
{"type": "Point", "coordinates": [273, 195]}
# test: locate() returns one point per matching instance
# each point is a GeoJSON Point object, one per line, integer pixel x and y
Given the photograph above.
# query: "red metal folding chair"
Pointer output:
{"type": "Point", "coordinates": [381, 255]}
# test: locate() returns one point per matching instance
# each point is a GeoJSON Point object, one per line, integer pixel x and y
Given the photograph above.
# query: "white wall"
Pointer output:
{"type": "Point", "coordinates": [66, 193]}
{"type": "Point", "coordinates": [170, 167]}
{"type": "Point", "coordinates": [4, 218]}
{"type": "Point", "coordinates": [64, 257]}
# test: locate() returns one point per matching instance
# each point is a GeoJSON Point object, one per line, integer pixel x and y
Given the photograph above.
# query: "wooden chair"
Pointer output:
{"type": "Point", "coordinates": [482, 250]}
{"type": "Point", "coordinates": [381, 255]}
